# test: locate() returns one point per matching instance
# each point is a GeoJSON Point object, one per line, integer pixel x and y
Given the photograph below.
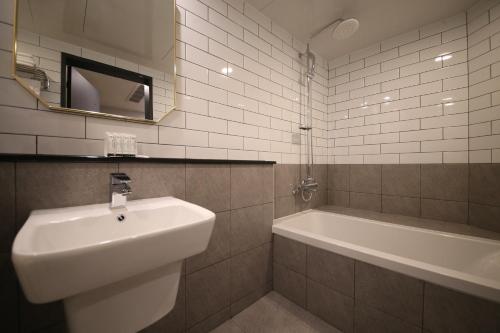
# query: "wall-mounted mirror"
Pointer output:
{"type": "Point", "coordinates": [107, 58]}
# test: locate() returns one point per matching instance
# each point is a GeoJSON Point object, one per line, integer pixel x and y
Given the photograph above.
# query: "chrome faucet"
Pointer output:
{"type": "Point", "coordinates": [119, 189]}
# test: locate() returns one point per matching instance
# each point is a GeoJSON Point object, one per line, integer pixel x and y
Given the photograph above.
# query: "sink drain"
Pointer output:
{"type": "Point", "coordinates": [120, 218]}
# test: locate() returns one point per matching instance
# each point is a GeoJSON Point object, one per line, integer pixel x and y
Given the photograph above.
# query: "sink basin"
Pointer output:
{"type": "Point", "coordinates": [94, 257]}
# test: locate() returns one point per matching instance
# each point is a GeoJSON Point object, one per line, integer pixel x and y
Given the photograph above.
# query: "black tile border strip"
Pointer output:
{"type": "Point", "coordinates": [81, 158]}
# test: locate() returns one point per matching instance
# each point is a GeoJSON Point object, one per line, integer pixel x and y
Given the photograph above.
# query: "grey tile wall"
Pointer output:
{"type": "Point", "coordinates": [459, 193]}
{"type": "Point", "coordinates": [287, 177]}
{"type": "Point", "coordinates": [356, 296]}
{"type": "Point", "coordinates": [234, 271]}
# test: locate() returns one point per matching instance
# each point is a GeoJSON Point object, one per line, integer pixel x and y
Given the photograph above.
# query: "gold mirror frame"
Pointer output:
{"type": "Point", "coordinates": [86, 112]}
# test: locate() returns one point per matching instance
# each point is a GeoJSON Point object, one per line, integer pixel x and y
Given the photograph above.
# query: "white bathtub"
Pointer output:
{"type": "Point", "coordinates": [464, 263]}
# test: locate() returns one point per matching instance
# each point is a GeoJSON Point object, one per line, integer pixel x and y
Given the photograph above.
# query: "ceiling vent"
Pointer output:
{"type": "Point", "coordinates": [137, 94]}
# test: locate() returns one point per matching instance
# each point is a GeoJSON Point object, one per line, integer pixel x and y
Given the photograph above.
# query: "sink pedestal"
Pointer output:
{"type": "Point", "coordinates": [125, 306]}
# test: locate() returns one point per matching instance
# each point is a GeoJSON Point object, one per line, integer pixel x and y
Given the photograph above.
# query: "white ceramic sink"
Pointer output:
{"type": "Point", "coordinates": [87, 257]}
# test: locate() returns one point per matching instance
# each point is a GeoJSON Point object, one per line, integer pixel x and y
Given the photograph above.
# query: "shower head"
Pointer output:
{"type": "Point", "coordinates": [345, 29]}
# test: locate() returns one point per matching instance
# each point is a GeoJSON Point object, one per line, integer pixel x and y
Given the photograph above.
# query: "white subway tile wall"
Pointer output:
{"type": "Point", "coordinates": [238, 92]}
{"type": "Point", "coordinates": [403, 100]}
{"type": "Point", "coordinates": [484, 82]}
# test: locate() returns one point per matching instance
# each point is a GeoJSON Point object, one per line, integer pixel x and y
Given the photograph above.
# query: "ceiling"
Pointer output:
{"type": "Point", "coordinates": [379, 19]}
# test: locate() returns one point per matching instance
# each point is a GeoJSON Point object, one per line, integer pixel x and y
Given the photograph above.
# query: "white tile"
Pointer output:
{"type": "Point", "coordinates": [191, 104]}
{"type": "Point", "coordinates": [204, 123]}
{"type": "Point", "coordinates": [268, 61]}
{"type": "Point", "coordinates": [192, 37]}
{"type": "Point", "coordinates": [421, 89]}
{"type": "Point", "coordinates": [242, 102]}
{"type": "Point", "coordinates": [203, 91]}
{"type": "Point", "coordinates": [420, 67]}
{"type": "Point", "coordinates": [206, 153]}
{"type": "Point", "coordinates": [164, 151]}
{"type": "Point", "coordinates": [196, 23]}
{"type": "Point", "coordinates": [480, 156]}
{"type": "Point", "coordinates": [364, 130]}
{"type": "Point", "coordinates": [225, 112]}
{"type": "Point", "coordinates": [454, 34]}
{"type": "Point", "coordinates": [399, 126]}
{"type": "Point", "coordinates": [96, 128]}
{"type": "Point", "coordinates": [381, 57]}
{"type": "Point", "coordinates": [225, 24]}
{"type": "Point", "coordinates": [249, 131]}
{"type": "Point", "coordinates": [420, 44]}
{"type": "Point", "coordinates": [242, 155]}
{"type": "Point", "coordinates": [382, 118]}
{"type": "Point", "coordinates": [237, 17]}
{"type": "Point", "coordinates": [98, 56]}
{"type": "Point", "coordinates": [447, 48]}
{"type": "Point", "coordinates": [68, 146]}
{"type": "Point", "coordinates": [191, 70]}
{"type": "Point", "coordinates": [225, 82]}
{"type": "Point", "coordinates": [364, 149]}
{"type": "Point", "coordinates": [257, 68]}
{"type": "Point", "coordinates": [455, 82]}
{"type": "Point", "coordinates": [257, 16]}
{"type": "Point", "coordinates": [484, 87]}
{"type": "Point", "coordinates": [225, 141]}
{"type": "Point", "coordinates": [17, 144]}
{"type": "Point", "coordinates": [423, 112]}
{"type": "Point", "coordinates": [401, 83]}
{"type": "Point", "coordinates": [7, 11]}
{"type": "Point", "coordinates": [484, 32]}
{"type": "Point", "coordinates": [366, 91]}
{"type": "Point", "coordinates": [408, 103]}
{"type": "Point", "coordinates": [242, 47]}
{"type": "Point", "coordinates": [364, 53]}
{"type": "Point", "coordinates": [400, 40]}
{"type": "Point", "coordinates": [58, 45]}
{"type": "Point", "coordinates": [455, 157]}
{"type": "Point", "coordinates": [457, 132]}
{"type": "Point", "coordinates": [381, 138]}
{"type": "Point", "coordinates": [445, 121]}
{"type": "Point", "coordinates": [12, 94]}
{"type": "Point", "coordinates": [205, 59]}
{"type": "Point", "coordinates": [455, 107]}
{"type": "Point", "coordinates": [257, 144]}
{"type": "Point", "coordinates": [281, 33]}
{"type": "Point", "coordinates": [481, 129]}
{"type": "Point", "coordinates": [478, 49]}
{"type": "Point", "coordinates": [443, 73]}
{"type": "Point", "coordinates": [225, 53]}
{"type": "Point", "coordinates": [256, 119]}
{"type": "Point", "coordinates": [484, 60]}
{"type": "Point", "coordinates": [382, 77]}
{"type": "Point", "coordinates": [484, 142]}
{"type": "Point", "coordinates": [381, 159]}
{"type": "Point", "coordinates": [421, 158]}
{"type": "Point", "coordinates": [483, 115]}
{"type": "Point", "coordinates": [445, 97]}
{"type": "Point", "coordinates": [407, 147]}
{"type": "Point", "coordinates": [400, 61]}
{"type": "Point", "coordinates": [422, 135]}
{"type": "Point", "coordinates": [194, 6]}
{"type": "Point", "coordinates": [180, 136]}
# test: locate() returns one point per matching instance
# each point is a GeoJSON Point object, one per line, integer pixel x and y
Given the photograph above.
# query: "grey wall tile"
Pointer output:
{"type": "Point", "coordinates": [284, 206]}
{"type": "Point", "coordinates": [331, 306]}
{"type": "Point", "coordinates": [365, 201]}
{"type": "Point", "coordinates": [219, 247]}
{"type": "Point", "coordinates": [401, 205]}
{"type": "Point", "coordinates": [286, 177]}
{"type": "Point", "coordinates": [290, 284]}
{"type": "Point", "coordinates": [211, 322]}
{"type": "Point", "coordinates": [251, 185]}
{"type": "Point", "coordinates": [485, 184]}
{"type": "Point", "coordinates": [401, 180]}
{"type": "Point", "coordinates": [151, 180]}
{"type": "Point", "coordinates": [338, 177]}
{"type": "Point", "coordinates": [450, 311]}
{"type": "Point", "coordinates": [250, 270]}
{"type": "Point", "coordinates": [445, 181]}
{"type": "Point", "coordinates": [370, 320]}
{"type": "Point", "coordinates": [319, 198]}
{"type": "Point", "coordinates": [7, 206]}
{"type": "Point", "coordinates": [208, 185]}
{"type": "Point", "coordinates": [365, 178]}
{"type": "Point", "coordinates": [250, 227]}
{"type": "Point", "coordinates": [443, 210]}
{"type": "Point", "coordinates": [175, 320]}
{"type": "Point", "coordinates": [486, 217]}
{"type": "Point", "coordinates": [246, 301]}
{"type": "Point", "coordinates": [388, 291]}
{"type": "Point", "coordinates": [207, 292]}
{"type": "Point", "coordinates": [320, 173]}
{"type": "Point", "coordinates": [53, 185]}
{"type": "Point", "coordinates": [290, 253]}
{"type": "Point", "coordinates": [338, 198]}
{"type": "Point", "coordinates": [331, 270]}
{"type": "Point", "coordinates": [9, 299]}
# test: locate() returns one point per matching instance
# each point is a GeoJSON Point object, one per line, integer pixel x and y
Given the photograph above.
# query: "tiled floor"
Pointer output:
{"type": "Point", "coordinates": [274, 314]}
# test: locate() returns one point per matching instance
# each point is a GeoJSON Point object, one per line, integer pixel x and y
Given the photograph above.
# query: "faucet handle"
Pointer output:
{"type": "Point", "coordinates": [119, 178]}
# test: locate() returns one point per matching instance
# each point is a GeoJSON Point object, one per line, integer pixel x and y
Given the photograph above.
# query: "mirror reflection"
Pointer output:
{"type": "Point", "coordinates": [105, 56]}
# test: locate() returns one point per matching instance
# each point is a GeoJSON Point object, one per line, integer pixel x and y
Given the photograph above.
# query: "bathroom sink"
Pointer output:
{"type": "Point", "coordinates": [73, 253]}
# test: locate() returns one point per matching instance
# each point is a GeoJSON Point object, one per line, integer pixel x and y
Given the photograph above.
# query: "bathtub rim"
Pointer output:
{"type": "Point", "coordinates": [449, 278]}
